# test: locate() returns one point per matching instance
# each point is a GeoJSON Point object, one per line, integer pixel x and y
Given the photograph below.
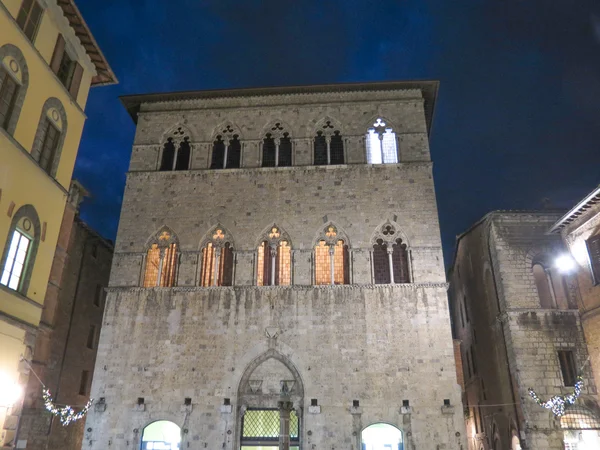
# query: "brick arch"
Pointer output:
{"type": "Point", "coordinates": [29, 212]}
{"type": "Point", "coordinates": [38, 141]}
{"type": "Point", "coordinates": [15, 52]}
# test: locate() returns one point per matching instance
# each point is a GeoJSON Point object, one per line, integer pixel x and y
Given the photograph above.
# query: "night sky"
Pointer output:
{"type": "Point", "coordinates": [518, 114]}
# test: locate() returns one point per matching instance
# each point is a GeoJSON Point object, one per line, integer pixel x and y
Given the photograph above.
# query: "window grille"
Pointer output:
{"type": "Point", "coordinates": [579, 418]}
{"type": "Point", "coordinates": [381, 267]}
{"type": "Point", "coordinates": [261, 427]}
{"type": "Point", "coordinates": [390, 256]}
{"type": "Point", "coordinates": [269, 151]}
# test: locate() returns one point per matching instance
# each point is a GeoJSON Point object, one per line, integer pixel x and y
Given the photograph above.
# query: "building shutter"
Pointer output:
{"type": "Point", "coordinates": [593, 246]}
{"type": "Point", "coordinates": [59, 50]}
{"type": "Point", "coordinates": [76, 82]}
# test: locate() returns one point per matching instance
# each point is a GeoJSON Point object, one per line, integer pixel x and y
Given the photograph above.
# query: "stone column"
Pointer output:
{"type": "Point", "coordinates": [285, 409]}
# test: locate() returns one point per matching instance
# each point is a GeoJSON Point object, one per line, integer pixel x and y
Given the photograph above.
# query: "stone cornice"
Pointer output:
{"type": "Point", "coordinates": [405, 286]}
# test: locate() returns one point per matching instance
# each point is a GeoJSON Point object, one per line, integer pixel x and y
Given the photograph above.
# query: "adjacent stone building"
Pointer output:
{"type": "Point", "coordinates": [580, 230]}
{"type": "Point", "coordinates": [278, 277]}
{"type": "Point", "coordinates": [516, 316]}
{"type": "Point", "coordinates": [66, 343]}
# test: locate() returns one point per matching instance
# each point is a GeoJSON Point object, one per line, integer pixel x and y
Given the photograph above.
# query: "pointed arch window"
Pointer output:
{"type": "Point", "coordinates": [381, 144]}
{"type": "Point", "coordinates": [277, 147]}
{"type": "Point", "coordinates": [217, 260]}
{"type": "Point", "coordinates": [274, 261]}
{"type": "Point", "coordinates": [328, 145]}
{"type": "Point", "coordinates": [389, 257]}
{"type": "Point", "coordinates": [176, 151]}
{"type": "Point", "coordinates": [161, 261]}
{"type": "Point", "coordinates": [331, 258]}
{"type": "Point", "coordinates": [20, 250]}
{"type": "Point", "coordinates": [227, 150]}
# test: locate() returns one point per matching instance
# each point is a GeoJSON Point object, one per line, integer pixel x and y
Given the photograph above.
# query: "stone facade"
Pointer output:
{"type": "Point", "coordinates": [577, 227]}
{"type": "Point", "coordinates": [66, 344]}
{"type": "Point", "coordinates": [509, 343]}
{"type": "Point", "coordinates": [357, 354]}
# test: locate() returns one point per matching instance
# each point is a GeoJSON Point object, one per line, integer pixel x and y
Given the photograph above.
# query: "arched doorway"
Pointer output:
{"type": "Point", "coordinates": [161, 435]}
{"type": "Point", "coordinates": [382, 436]}
{"type": "Point", "coordinates": [581, 429]}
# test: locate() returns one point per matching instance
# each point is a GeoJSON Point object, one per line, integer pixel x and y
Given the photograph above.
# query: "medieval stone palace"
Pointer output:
{"type": "Point", "coordinates": [278, 279]}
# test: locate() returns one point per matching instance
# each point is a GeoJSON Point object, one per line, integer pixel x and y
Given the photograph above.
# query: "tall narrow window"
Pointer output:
{"type": "Point", "coordinates": [593, 248]}
{"type": "Point", "coordinates": [381, 144]}
{"type": "Point", "coordinates": [274, 259]}
{"type": "Point", "coordinates": [544, 288]}
{"type": "Point", "coordinates": [161, 260]}
{"type": "Point", "coordinates": [217, 259]}
{"type": "Point", "coordinates": [566, 360]}
{"type": "Point", "coordinates": [227, 149]}
{"type": "Point", "coordinates": [49, 146]}
{"type": "Point", "coordinates": [91, 340]}
{"type": "Point", "coordinates": [84, 382]}
{"type": "Point", "coordinates": [29, 17]}
{"type": "Point", "coordinates": [20, 249]}
{"type": "Point", "coordinates": [8, 94]}
{"type": "Point", "coordinates": [66, 68]}
{"type": "Point", "coordinates": [176, 151]}
{"type": "Point", "coordinates": [331, 258]}
{"type": "Point", "coordinates": [50, 135]}
{"type": "Point", "coordinates": [389, 257]}
{"type": "Point", "coordinates": [328, 145]}
{"type": "Point", "coordinates": [277, 147]}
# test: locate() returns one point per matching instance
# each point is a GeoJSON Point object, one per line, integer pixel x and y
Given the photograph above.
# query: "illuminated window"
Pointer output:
{"type": "Point", "coordinates": [161, 435]}
{"type": "Point", "coordinates": [389, 257]}
{"type": "Point", "coordinates": [227, 149]}
{"type": "Point", "coordinates": [20, 249]}
{"type": "Point", "coordinates": [217, 260]}
{"type": "Point", "coordinates": [593, 248]}
{"type": "Point", "coordinates": [161, 261]}
{"type": "Point", "coordinates": [381, 144]}
{"type": "Point", "coordinates": [332, 265]}
{"type": "Point", "coordinates": [176, 151]}
{"type": "Point", "coordinates": [382, 436]}
{"type": "Point", "coordinates": [260, 429]}
{"type": "Point", "coordinates": [274, 262]}
{"type": "Point", "coordinates": [277, 147]}
{"type": "Point", "coordinates": [328, 145]}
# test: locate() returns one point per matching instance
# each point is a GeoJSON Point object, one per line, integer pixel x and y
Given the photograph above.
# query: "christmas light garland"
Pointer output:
{"type": "Point", "coordinates": [559, 404]}
{"type": "Point", "coordinates": [66, 414]}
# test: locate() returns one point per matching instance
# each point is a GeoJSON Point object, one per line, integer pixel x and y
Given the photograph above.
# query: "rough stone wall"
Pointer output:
{"type": "Point", "coordinates": [379, 345]}
{"type": "Point", "coordinates": [64, 353]}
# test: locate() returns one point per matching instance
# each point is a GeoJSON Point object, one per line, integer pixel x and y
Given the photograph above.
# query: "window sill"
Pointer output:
{"type": "Point", "coordinates": [21, 296]}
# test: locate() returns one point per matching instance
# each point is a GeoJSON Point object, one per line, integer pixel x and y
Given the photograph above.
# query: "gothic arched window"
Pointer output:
{"type": "Point", "coordinates": [217, 259]}
{"type": "Point", "coordinates": [227, 149]}
{"type": "Point", "coordinates": [161, 260]}
{"type": "Point", "coordinates": [381, 144]}
{"type": "Point", "coordinates": [332, 262]}
{"type": "Point", "coordinates": [20, 249]}
{"type": "Point", "coordinates": [389, 257]}
{"type": "Point", "coordinates": [328, 145]}
{"type": "Point", "coordinates": [176, 151]}
{"type": "Point", "coordinates": [274, 262]}
{"type": "Point", "coordinates": [277, 147]}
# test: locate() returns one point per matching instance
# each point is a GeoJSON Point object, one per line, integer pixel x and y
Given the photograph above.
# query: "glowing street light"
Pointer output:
{"type": "Point", "coordinates": [10, 391]}
{"type": "Point", "coordinates": [565, 263]}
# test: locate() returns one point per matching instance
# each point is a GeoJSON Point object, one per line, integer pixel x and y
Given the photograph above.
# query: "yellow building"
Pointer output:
{"type": "Point", "coordinates": [48, 62]}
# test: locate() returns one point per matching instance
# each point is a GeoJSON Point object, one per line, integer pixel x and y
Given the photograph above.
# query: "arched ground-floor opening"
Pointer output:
{"type": "Point", "coordinates": [581, 429]}
{"type": "Point", "coordinates": [161, 435]}
{"type": "Point", "coordinates": [261, 428]}
{"type": "Point", "coordinates": [382, 436]}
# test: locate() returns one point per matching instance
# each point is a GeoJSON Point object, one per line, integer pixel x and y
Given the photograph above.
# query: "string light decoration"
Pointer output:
{"type": "Point", "coordinates": [66, 414]}
{"type": "Point", "coordinates": [559, 404]}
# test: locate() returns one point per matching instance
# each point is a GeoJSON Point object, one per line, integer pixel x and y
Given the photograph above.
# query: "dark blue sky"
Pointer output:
{"type": "Point", "coordinates": [517, 119]}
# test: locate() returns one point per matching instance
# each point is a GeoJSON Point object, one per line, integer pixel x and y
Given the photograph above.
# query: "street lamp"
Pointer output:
{"type": "Point", "coordinates": [565, 263]}
{"type": "Point", "coordinates": [10, 391]}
